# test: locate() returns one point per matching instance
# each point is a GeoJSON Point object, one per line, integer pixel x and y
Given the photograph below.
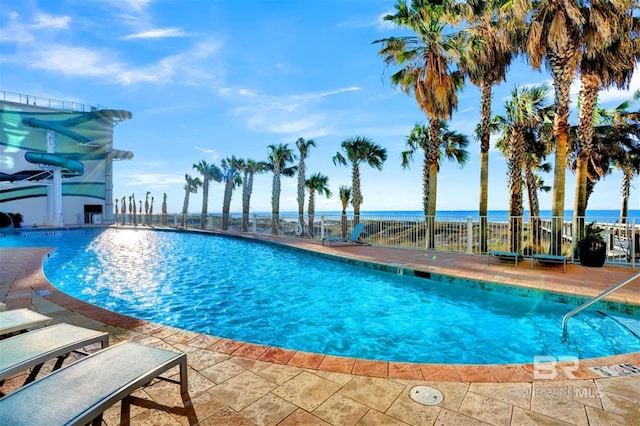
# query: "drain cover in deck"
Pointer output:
{"type": "Point", "coordinates": [426, 395]}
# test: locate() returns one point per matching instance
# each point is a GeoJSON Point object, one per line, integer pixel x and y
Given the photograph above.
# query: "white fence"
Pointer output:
{"type": "Point", "coordinates": [460, 234]}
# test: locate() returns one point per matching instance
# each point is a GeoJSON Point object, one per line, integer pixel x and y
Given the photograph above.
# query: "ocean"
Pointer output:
{"type": "Point", "coordinates": [591, 215]}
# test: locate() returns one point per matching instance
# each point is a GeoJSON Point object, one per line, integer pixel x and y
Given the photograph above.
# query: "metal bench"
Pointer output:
{"type": "Point", "coordinates": [21, 319]}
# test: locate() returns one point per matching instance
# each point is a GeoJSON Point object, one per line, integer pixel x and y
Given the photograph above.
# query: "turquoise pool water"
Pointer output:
{"type": "Point", "coordinates": [267, 294]}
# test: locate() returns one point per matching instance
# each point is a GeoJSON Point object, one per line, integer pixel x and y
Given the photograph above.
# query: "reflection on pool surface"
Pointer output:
{"type": "Point", "coordinates": [267, 294]}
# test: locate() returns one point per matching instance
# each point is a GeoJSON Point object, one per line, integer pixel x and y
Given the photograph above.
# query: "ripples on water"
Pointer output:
{"type": "Point", "coordinates": [262, 293]}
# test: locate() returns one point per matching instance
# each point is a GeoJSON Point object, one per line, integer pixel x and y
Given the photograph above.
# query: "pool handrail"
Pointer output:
{"type": "Point", "coordinates": [595, 299]}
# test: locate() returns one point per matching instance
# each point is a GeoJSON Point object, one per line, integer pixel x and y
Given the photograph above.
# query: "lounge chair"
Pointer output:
{"type": "Point", "coordinates": [504, 256]}
{"type": "Point", "coordinates": [21, 319]}
{"type": "Point", "coordinates": [353, 238]}
{"type": "Point", "coordinates": [31, 350]}
{"type": "Point", "coordinates": [78, 393]}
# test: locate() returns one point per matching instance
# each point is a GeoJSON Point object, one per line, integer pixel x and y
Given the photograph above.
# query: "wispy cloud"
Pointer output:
{"type": "Point", "coordinates": [205, 150]}
{"type": "Point", "coordinates": [154, 179]}
{"type": "Point", "coordinates": [23, 31]}
{"type": "Point", "coordinates": [158, 33]}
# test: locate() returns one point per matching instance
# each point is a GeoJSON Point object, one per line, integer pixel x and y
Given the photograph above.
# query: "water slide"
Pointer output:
{"type": "Point", "coordinates": [73, 166]}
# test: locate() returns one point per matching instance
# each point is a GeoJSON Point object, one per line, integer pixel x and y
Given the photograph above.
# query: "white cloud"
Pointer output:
{"type": "Point", "coordinates": [154, 179]}
{"type": "Point", "coordinates": [26, 32]}
{"type": "Point", "coordinates": [158, 33]}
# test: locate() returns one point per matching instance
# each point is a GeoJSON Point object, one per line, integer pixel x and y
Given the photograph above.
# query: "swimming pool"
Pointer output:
{"type": "Point", "coordinates": [267, 294]}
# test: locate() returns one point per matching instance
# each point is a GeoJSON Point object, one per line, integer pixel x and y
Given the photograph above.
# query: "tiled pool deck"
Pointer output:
{"type": "Point", "coordinates": [235, 383]}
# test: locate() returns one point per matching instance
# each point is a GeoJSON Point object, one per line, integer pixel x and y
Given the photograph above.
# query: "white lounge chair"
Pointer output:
{"type": "Point", "coordinates": [31, 350]}
{"type": "Point", "coordinates": [78, 393]}
{"type": "Point", "coordinates": [353, 238]}
{"type": "Point", "coordinates": [21, 319]}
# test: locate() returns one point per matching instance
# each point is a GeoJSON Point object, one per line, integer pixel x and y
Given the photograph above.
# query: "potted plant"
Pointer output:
{"type": "Point", "coordinates": [592, 248]}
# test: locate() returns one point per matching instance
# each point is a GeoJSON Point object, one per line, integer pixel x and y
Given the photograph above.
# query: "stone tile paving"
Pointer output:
{"type": "Point", "coordinates": [233, 383]}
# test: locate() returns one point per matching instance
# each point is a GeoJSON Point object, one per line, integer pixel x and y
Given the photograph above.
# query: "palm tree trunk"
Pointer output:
{"type": "Point", "coordinates": [563, 71]}
{"type": "Point", "coordinates": [588, 99]}
{"type": "Point", "coordinates": [356, 200]}
{"type": "Point", "coordinates": [534, 206]}
{"type": "Point", "coordinates": [485, 134]}
{"type": "Point", "coordinates": [627, 175]}
{"type": "Point", "coordinates": [514, 172]}
{"type": "Point", "coordinates": [205, 202]}
{"type": "Point", "coordinates": [226, 204]}
{"type": "Point", "coordinates": [275, 203]}
{"type": "Point", "coordinates": [246, 200]}
{"type": "Point", "coordinates": [429, 181]}
{"type": "Point", "coordinates": [312, 209]}
{"type": "Point", "coordinates": [301, 188]}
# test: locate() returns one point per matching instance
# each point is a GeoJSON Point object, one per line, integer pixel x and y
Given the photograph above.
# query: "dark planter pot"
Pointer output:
{"type": "Point", "coordinates": [592, 253]}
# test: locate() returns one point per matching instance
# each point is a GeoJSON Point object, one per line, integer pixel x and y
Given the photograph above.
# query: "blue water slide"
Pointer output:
{"type": "Point", "coordinates": [55, 160]}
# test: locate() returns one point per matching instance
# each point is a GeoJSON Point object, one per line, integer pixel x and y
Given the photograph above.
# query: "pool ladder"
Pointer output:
{"type": "Point", "coordinates": [594, 300]}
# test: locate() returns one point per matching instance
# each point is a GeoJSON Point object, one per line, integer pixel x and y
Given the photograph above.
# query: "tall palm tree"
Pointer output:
{"type": "Point", "coordinates": [209, 172]}
{"type": "Point", "coordinates": [611, 53]}
{"type": "Point", "coordinates": [525, 112]}
{"type": "Point", "coordinates": [231, 177]}
{"type": "Point", "coordinates": [279, 157]}
{"type": "Point", "coordinates": [485, 48]}
{"type": "Point", "coordinates": [190, 187]}
{"type": "Point", "coordinates": [345, 199]}
{"type": "Point", "coordinates": [451, 146]}
{"type": "Point", "coordinates": [303, 149]}
{"type": "Point", "coordinates": [319, 183]}
{"type": "Point", "coordinates": [249, 168]}
{"type": "Point", "coordinates": [555, 37]}
{"type": "Point", "coordinates": [359, 150]}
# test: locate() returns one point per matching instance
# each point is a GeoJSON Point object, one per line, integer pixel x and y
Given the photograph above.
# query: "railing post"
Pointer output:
{"type": "Point", "coordinates": [322, 227]}
{"type": "Point", "coordinates": [469, 235]}
{"type": "Point", "coordinates": [254, 226]}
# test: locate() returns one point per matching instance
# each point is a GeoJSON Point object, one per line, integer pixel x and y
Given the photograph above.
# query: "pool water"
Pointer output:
{"type": "Point", "coordinates": [271, 295]}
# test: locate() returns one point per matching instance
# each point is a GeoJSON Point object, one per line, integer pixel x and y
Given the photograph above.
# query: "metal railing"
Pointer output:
{"type": "Point", "coordinates": [460, 234]}
{"type": "Point", "coordinates": [46, 102]}
{"type": "Point", "coordinates": [599, 297]}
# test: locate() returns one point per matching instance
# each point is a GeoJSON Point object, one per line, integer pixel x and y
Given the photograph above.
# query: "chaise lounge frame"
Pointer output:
{"type": "Point", "coordinates": [80, 392]}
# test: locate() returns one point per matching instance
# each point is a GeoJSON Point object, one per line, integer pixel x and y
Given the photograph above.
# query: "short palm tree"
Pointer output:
{"type": "Point", "coordinates": [146, 208]}
{"type": "Point", "coordinates": [164, 209]}
{"type": "Point", "coordinates": [526, 111]}
{"type": "Point", "coordinates": [249, 168]}
{"type": "Point", "coordinates": [345, 199]}
{"type": "Point", "coordinates": [303, 150]}
{"type": "Point", "coordinates": [319, 183]}
{"type": "Point", "coordinates": [359, 150]}
{"type": "Point", "coordinates": [209, 172]}
{"type": "Point", "coordinates": [190, 187]}
{"type": "Point", "coordinates": [132, 209]}
{"type": "Point", "coordinates": [279, 157]}
{"type": "Point", "coordinates": [231, 177]}
{"type": "Point", "coordinates": [452, 146]}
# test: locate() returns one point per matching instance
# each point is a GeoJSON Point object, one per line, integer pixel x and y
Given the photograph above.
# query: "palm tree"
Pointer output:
{"type": "Point", "coordinates": [525, 113]}
{"type": "Point", "coordinates": [611, 53]}
{"type": "Point", "coordinates": [451, 146]}
{"type": "Point", "coordinates": [249, 168]}
{"type": "Point", "coordinates": [209, 172]}
{"type": "Point", "coordinates": [303, 149]}
{"type": "Point", "coordinates": [555, 37]}
{"type": "Point", "coordinates": [123, 209]}
{"type": "Point", "coordinates": [319, 183]}
{"type": "Point", "coordinates": [190, 187]}
{"type": "Point", "coordinates": [359, 150]}
{"type": "Point", "coordinates": [164, 209]}
{"type": "Point", "coordinates": [345, 198]}
{"type": "Point", "coordinates": [232, 180]}
{"type": "Point", "coordinates": [151, 211]}
{"type": "Point", "coordinates": [279, 156]}
{"type": "Point", "coordinates": [132, 208]}
{"type": "Point", "coordinates": [146, 208]}
{"type": "Point", "coordinates": [486, 47]}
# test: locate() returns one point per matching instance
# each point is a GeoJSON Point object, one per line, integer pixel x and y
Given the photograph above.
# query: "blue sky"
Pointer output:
{"type": "Point", "coordinates": [209, 79]}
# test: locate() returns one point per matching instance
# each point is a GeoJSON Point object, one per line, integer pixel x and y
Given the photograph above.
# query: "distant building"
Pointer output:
{"type": "Point", "coordinates": [56, 160]}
